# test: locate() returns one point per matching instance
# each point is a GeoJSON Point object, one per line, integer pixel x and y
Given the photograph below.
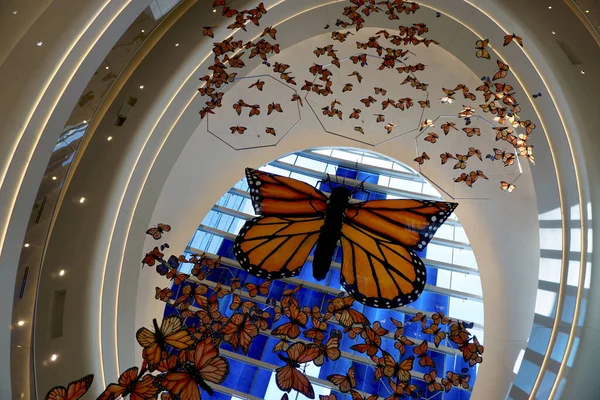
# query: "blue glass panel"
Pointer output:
{"type": "Point", "coordinates": [262, 379]}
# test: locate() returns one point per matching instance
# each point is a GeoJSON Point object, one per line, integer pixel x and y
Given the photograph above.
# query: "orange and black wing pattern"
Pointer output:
{"type": "Point", "coordinates": [379, 267]}
{"type": "Point", "coordinates": [276, 244]}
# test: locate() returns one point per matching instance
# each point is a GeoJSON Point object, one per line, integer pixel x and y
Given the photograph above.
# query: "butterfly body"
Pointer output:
{"type": "Point", "coordinates": [331, 231]}
{"type": "Point", "coordinates": [196, 377]}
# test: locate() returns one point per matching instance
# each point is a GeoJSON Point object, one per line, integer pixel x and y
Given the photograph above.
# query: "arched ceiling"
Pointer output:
{"type": "Point", "coordinates": [164, 165]}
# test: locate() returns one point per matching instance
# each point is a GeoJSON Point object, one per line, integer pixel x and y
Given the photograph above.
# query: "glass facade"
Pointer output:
{"type": "Point", "coordinates": [453, 285]}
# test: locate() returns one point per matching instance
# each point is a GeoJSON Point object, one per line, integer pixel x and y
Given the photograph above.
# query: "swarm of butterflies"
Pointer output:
{"type": "Point", "coordinates": [501, 102]}
{"type": "Point", "coordinates": [183, 360]}
{"type": "Point", "coordinates": [499, 96]}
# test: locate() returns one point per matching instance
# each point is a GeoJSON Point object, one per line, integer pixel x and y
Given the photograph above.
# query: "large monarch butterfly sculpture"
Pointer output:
{"type": "Point", "coordinates": [378, 238]}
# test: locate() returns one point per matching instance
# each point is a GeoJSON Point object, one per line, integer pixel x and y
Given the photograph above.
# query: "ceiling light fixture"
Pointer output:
{"type": "Point", "coordinates": [21, 323]}
{"type": "Point", "coordinates": [54, 178]}
{"type": "Point", "coordinates": [214, 10]}
{"type": "Point", "coordinates": [582, 72]}
{"type": "Point", "coordinates": [587, 11]}
{"type": "Point", "coordinates": [53, 357]}
{"type": "Point", "coordinates": [109, 138]}
{"type": "Point", "coordinates": [39, 44]}
{"type": "Point", "coordinates": [15, 12]}
{"type": "Point", "coordinates": [554, 33]}
{"type": "Point", "coordinates": [61, 272]}
{"type": "Point", "coordinates": [143, 31]}
{"type": "Point", "coordinates": [176, 44]}
{"type": "Point", "coordinates": [141, 86]}
{"type": "Point", "coordinates": [84, 121]}
{"type": "Point", "coordinates": [106, 67]}
{"type": "Point", "coordinates": [549, 7]}
{"type": "Point", "coordinates": [82, 200]}
{"type": "Point", "coordinates": [26, 244]}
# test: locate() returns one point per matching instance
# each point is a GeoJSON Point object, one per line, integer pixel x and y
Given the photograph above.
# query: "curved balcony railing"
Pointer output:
{"type": "Point", "coordinates": [23, 367]}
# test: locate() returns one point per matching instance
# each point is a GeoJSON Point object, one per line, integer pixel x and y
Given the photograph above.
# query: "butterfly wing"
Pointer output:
{"type": "Point", "coordinates": [74, 391]}
{"type": "Point", "coordinates": [210, 365]}
{"type": "Point", "coordinates": [114, 390]}
{"type": "Point", "coordinates": [277, 244]}
{"type": "Point", "coordinates": [379, 266]}
{"type": "Point", "coordinates": [288, 378]}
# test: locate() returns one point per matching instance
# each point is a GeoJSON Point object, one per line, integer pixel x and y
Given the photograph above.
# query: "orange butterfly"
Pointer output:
{"type": "Point", "coordinates": [359, 129]}
{"type": "Point", "coordinates": [274, 107]}
{"type": "Point", "coordinates": [220, 291]}
{"type": "Point", "coordinates": [462, 161]}
{"type": "Point", "coordinates": [169, 333]}
{"type": "Point", "coordinates": [74, 390]}
{"type": "Point", "coordinates": [258, 84]}
{"type": "Point", "coordinates": [422, 158]}
{"type": "Point", "coordinates": [207, 366]}
{"type": "Point", "coordinates": [472, 131]}
{"type": "Point", "coordinates": [263, 288]}
{"type": "Point", "coordinates": [447, 126]}
{"type": "Point", "coordinates": [368, 101]}
{"type": "Point", "coordinates": [509, 38]}
{"type": "Point", "coordinates": [480, 45]}
{"type": "Point", "coordinates": [432, 384]}
{"type": "Point", "coordinates": [473, 151]}
{"type": "Point", "coordinates": [371, 345]}
{"type": "Point", "coordinates": [330, 351]}
{"type": "Point", "coordinates": [254, 110]}
{"type": "Point", "coordinates": [389, 127]}
{"type": "Point", "coordinates": [341, 308]}
{"type": "Point", "coordinates": [291, 330]}
{"type": "Point", "coordinates": [289, 377]}
{"type": "Point", "coordinates": [176, 276]}
{"type": "Point", "coordinates": [270, 131]}
{"type": "Point", "coordinates": [238, 129]}
{"type": "Point", "coordinates": [290, 207]}
{"type": "Point", "coordinates": [502, 71]}
{"type": "Point", "coordinates": [425, 104]}
{"type": "Point", "coordinates": [400, 370]}
{"type": "Point", "coordinates": [358, 76]}
{"type": "Point", "coordinates": [151, 257]}
{"type": "Point", "coordinates": [138, 386]}
{"type": "Point", "coordinates": [345, 383]}
{"type": "Point", "coordinates": [509, 187]}
{"type": "Point", "coordinates": [380, 91]}
{"type": "Point", "coordinates": [208, 31]}
{"type": "Point", "coordinates": [355, 113]}
{"type": "Point", "coordinates": [438, 333]}
{"type": "Point", "coordinates": [163, 294]}
{"type": "Point", "coordinates": [431, 137]}
{"type": "Point", "coordinates": [380, 118]}
{"type": "Point", "coordinates": [445, 157]}
{"type": "Point", "coordinates": [270, 31]}
{"type": "Point", "coordinates": [237, 302]}
{"type": "Point", "coordinates": [239, 331]}
{"type": "Point", "coordinates": [421, 352]}
{"type": "Point", "coordinates": [157, 232]}
{"type": "Point", "coordinates": [401, 344]}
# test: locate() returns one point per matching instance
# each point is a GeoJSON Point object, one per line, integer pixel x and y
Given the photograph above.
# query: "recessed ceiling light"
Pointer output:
{"type": "Point", "coordinates": [84, 121]}
{"type": "Point", "coordinates": [54, 178]}
{"type": "Point", "coordinates": [15, 12]}
{"type": "Point", "coordinates": [554, 33]}
{"type": "Point", "coordinates": [587, 11]}
{"type": "Point", "coordinates": [82, 200]}
{"type": "Point", "coordinates": [143, 31]}
{"type": "Point", "coordinates": [53, 357]}
{"type": "Point", "coordinates": [106, 67]}
{"type": "Point", "coordinates": [26, 244]}
{"type": "Point", "coordinates": [109, 138]}
{"type": "Point", "coordinates": [549, 7]}
{"type": "Point", "coordinates": [21, 323]}
{"type": "Point", "coordinates": [176, 44]}
{"type": "Point", "coordinates": [141, 86]}
{"type": "Point", "coordinates": [582, 72]}
{"type": "Point", "coordinates": [39, 44]}
{"type": "Point", "coordinates": [61, 272]}
{"type": "Point", "coordinates": [214, 10]}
